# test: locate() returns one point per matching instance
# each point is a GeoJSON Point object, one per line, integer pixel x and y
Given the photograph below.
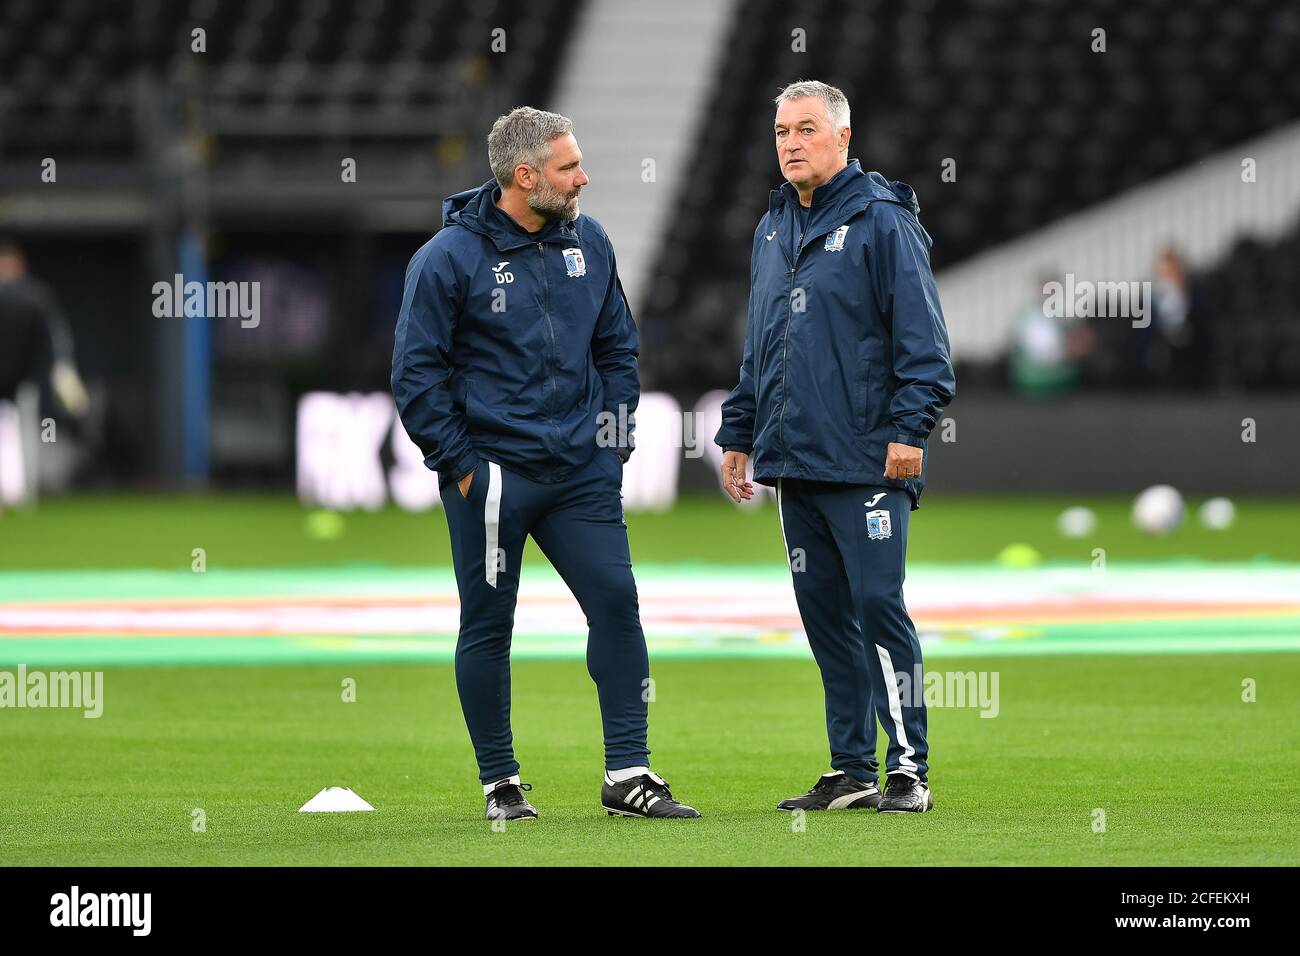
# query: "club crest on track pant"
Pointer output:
{"type": "Point", "coordinates": [847, 547]}
{"type": "Point", "coordinates": [578, 524]}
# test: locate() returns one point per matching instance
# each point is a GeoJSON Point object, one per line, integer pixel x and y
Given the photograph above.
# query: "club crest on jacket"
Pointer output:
{"type": "Point", "coordinates": [574, 263]}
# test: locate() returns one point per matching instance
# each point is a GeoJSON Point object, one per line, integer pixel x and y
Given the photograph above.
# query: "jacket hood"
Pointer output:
{"type": "Point", "coordinates": [850, 190]}
{"type": "Point", "coordinates": [476, 210]}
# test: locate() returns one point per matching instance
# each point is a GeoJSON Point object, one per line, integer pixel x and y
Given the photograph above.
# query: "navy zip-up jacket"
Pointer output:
{"type": "Point", "coordinates": [845, 344]}
{"type": "Point", "coordinates": [510, 344]}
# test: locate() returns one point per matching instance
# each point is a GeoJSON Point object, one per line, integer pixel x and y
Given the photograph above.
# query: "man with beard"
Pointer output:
{"type": "Point", "coordinates": [514, 361]}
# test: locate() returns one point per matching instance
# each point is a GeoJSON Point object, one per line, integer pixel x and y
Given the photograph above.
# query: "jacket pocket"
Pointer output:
{"type": "Point", "coordinates": [454, 486]}
{"type": "Point", "coordinates": [866, 414]}
{"type": "Point", "coordinates": [471, 413]}
{"type": "Point", "coordinates": [481, 423]}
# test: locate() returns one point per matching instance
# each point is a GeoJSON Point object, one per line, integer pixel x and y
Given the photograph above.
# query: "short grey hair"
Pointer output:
{"type": "Point", "coordinates": [523, 136]}
{"type": "Point", "coordinates": [837, 104]}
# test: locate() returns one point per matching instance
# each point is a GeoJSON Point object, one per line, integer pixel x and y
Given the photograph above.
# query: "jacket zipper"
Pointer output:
{"type": "Point", "coordinates": [546, 292]}
{"type": "Point", "coordinates": [785, 348]}
{"type": "Point", "coordinates": [785, 342]}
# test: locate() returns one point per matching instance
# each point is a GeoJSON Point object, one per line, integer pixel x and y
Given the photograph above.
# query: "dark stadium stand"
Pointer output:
{"type": "Point", "coordinates": [242, 145]}
{"type": "Point", "coordinates": [1039, 125]}
{"type": "Point", "coordinates": [1245, 325]}
{"type": "Point", "coordinates": [70, 86]}
{"type": "Point", "coordinates": [1260, 302]}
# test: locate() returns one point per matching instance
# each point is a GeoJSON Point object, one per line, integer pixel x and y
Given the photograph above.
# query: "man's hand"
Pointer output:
{"type": "Point", "coordinates": [735, 465]}
{"type": "Point", "coordinates": [465, 483]}
{"type": "Point", "coordinates": [902, 461]}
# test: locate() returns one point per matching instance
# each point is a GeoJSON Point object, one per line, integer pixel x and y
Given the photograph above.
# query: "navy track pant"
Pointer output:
{"type": "Point", "coordinates": [578, 524]}
{"type": "Point", "coordinates": [847, 546]}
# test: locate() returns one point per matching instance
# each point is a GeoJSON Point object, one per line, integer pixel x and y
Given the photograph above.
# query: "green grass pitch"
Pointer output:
{"type": "Point", "coordinates": [1185, 772]}
{"type": "Point", "coordinates": [137, 531]}
{"type": "Point", "coordinates": [1162, 749]}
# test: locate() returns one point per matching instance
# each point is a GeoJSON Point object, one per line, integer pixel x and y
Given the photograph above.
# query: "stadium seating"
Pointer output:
{"type": "Point", "coordinates": [74, 78]}
{"type": "Point", "coordinates": [1039, 126]}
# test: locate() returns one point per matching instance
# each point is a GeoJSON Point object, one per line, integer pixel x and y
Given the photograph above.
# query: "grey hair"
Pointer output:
{"type": "Point", "coordinates": [837, 104]}
{"type": "Point", "coordinates": [523, 136]}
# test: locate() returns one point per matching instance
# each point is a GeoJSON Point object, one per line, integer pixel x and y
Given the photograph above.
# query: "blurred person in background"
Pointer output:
{"type": "Point", "coordinates": [35, 344]}
{"type": "Point", "coordinates": [1178, 348]}
{"type": "Point", "coordinates": [1047, 350]}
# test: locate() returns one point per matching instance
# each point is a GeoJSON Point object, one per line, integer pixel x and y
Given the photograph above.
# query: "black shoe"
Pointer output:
{"type": "Point", "coordinates": [836, 791]}
{"type": "Point", "coordinates": [643, 796]}
{"type": "Point", "coordinates": [507, 802]}
{"type": "Point", "coordinates": [905, 794]}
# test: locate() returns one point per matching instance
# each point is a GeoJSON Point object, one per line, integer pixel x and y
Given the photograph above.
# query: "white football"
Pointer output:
{"type": "Point", "coordinates": [1217, 514]}
{"type": "Point", "coordinates": [1076, 522]}
{"type": "Point", "coordinates": [1158, 510]}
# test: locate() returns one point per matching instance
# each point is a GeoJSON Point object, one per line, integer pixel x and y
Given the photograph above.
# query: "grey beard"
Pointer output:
{"type": "Point", "coordinates": [550, 203]}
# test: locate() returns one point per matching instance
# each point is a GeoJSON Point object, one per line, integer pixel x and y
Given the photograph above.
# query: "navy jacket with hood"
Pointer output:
{"type": "Point", "coordinates": [510, 344]}
{"type": "Point", "coordinates": [845, 344]}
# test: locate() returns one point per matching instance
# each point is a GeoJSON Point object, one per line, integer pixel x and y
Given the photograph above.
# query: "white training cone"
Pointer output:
{"type": "Point", "coordinates": [335, 800]}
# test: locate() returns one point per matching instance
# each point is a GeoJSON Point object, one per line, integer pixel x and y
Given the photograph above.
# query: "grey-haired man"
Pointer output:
{"type": "Point", "coordinates": [845, 372]}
